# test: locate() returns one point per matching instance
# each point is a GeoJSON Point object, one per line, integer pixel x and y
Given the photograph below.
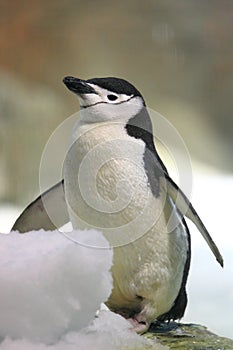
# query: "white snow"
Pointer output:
{"type": "Point", "coordinates": [50, 291]}
{"type": "Point", "coordinates": [50, 285]}
{"type": "Point", "coordinates": [109, 331]}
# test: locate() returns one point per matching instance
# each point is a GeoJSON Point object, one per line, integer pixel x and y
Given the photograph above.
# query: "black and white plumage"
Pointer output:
{"type": "Point", "coordinates": [114, 133]}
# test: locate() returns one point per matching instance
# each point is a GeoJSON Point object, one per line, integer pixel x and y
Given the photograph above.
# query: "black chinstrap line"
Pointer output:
{"type": "Point", "coordinates": [103, 102]}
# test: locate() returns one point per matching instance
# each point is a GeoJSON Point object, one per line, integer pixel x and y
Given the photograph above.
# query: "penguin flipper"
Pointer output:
{"type": "Point", "coordinates": [185, 207]}
{"type": "Point", "coordinates": [35, 216]}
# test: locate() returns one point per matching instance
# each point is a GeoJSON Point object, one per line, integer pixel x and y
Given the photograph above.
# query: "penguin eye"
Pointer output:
{"type": "Point", "coordinates": [112, 97]}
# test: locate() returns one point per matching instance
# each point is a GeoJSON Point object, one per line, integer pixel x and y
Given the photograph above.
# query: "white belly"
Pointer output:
{"type": "Point", "coordinates": [107, 188]}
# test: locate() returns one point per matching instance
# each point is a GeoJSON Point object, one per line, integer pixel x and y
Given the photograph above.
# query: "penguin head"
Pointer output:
{"type": "Point", "coordinates": [106, 99]}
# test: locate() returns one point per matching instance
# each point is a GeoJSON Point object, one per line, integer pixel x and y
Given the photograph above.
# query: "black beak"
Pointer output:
{"type": "Point", "coordinates": [78, 86]}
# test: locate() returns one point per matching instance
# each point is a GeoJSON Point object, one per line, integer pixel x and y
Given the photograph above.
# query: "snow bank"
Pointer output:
{"type": "Point", "coordinates": [51, 289]}
{"type": "Point", "coordinates": [108, 332]}
{"type": "Point", "coordinates": [50, 285]}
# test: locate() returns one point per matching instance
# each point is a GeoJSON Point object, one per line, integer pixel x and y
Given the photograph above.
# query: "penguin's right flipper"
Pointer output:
{"type": "Point", "coordinates": [36, 217]}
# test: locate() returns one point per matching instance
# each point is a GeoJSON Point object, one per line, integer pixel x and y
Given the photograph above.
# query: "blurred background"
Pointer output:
{"type": "Point", "coordinates": [179, 54]}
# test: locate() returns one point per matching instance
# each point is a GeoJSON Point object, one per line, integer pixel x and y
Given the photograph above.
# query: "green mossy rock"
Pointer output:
{"type": "Point", "coordinates": [188, 337]}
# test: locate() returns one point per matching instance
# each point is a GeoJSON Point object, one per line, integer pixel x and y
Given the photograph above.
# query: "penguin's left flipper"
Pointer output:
{"type": "Point", "coordinates": [185, 207]}
{"type": "Point", "coordinates": [36, 217]}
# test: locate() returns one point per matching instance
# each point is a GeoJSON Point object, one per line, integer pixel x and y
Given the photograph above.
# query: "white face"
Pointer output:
{"type": "Point", "coordinates": [105, 105]}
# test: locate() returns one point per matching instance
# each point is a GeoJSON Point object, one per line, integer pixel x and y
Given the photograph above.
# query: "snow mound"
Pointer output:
{"type": "Point", "coordinates": [50, 291]}
{"type": "Point", "coordinates": [108, 331]}
{"type": "Point", "coordinates": [49, 284]}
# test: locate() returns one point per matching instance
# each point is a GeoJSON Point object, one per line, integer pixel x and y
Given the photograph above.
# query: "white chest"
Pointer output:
{"type": "Point", "coordinates": [105, 181]}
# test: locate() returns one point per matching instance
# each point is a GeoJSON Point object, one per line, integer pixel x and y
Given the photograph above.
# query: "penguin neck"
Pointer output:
{"type": "Point", "coordinates": [140, 127]}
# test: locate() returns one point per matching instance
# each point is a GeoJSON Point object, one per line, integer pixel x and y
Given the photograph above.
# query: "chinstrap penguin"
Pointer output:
{"type": "Point", "coordinates": [134, 202]}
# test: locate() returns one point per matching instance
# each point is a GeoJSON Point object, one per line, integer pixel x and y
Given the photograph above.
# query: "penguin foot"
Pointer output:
{"type": "Point", "coordinates": [137, 320]}
{"type": "Point", "coordinates": [139, 326]}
